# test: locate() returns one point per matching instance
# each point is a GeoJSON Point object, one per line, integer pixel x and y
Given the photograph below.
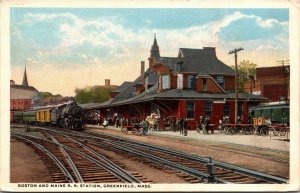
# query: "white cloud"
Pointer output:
{"type": "Point", "coordinates": [108, 49]}
{"type": "Point", "coordinates": [217, 26]}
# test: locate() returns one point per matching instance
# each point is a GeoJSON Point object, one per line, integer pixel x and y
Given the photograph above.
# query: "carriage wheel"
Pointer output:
{"type": "Point", "coordinates": [245, 130]}
{"type": "Point", "coordinates": [226, 130]}
{"type": "Point", "coordinates": [264, 131]}
{"type": "Point", "coordinates": [282, 132]}
{"type": "Point", "coordinates": [126, 131]}
{"type": "Point", "coordinates": [220, 129]}
{"type": "Point", "coordinates": [251, 130]}
{"type": "Point", "coordinates": [231, 131]}
{"type": "Point", "coordinates": [276, 132]}
{"type": "Point", "coordinates": [133, 131]}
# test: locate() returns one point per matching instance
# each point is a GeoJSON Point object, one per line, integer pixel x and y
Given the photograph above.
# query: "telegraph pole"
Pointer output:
{"type": "Point", "coordinates": [284, 78]}
{"type": "Point", "coordinates": [235, 51]}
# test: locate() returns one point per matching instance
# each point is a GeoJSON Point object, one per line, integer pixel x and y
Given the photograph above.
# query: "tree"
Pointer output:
{"type": "Point", "coordinates": [246, 72]}
{"type": "Point", "coordinates": [47, 98]}
{"type": "Point", "coordinates": [95, 94]}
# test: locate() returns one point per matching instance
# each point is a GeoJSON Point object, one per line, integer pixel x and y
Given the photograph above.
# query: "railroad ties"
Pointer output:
{"type": "Point", "coordinates": [80, 147]}
{"type": "Point", "coordinates": [68, 162]}
{"type": "Point", "coordinates": [190, 167]}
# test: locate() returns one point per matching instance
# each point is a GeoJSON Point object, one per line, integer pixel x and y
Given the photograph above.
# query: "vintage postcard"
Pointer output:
{"type": "Point", "coordinates": [104, 96]}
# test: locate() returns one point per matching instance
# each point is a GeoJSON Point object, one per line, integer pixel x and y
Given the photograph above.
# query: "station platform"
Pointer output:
{"type": "Point", "coordinates": [270, 141]}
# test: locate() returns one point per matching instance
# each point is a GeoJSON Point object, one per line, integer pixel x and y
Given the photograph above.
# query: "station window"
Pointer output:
{"type": "Point", "coordinates": [208, 108]}
{"type": "Point", "coordinates": [190, 109]}
{"type": "Point", "coordinates": [226, 110]}
{"type": "Point", "coordinates": [191, 81]}
{"type": "Point", "coordinates": [220, 81]}
{"type": "Point", "coordinates": [165, 82]}
{"type": "Point", "coordinates": [240, 108]}
{"type": "Point", "coordinates": [204, 85]}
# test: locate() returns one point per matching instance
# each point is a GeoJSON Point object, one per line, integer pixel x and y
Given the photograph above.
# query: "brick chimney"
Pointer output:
{"type": "Point", "coordinates": [142, 68]}
{"type": "Point", "coordinates": [107, 82]}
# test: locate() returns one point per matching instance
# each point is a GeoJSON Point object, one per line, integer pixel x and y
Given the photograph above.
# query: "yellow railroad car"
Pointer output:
{"type": "Point", "coordinates": [43, 115]}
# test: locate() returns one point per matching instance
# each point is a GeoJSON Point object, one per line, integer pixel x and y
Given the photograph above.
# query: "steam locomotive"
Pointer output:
{"type": "Point", "coordinates": [68, 116]}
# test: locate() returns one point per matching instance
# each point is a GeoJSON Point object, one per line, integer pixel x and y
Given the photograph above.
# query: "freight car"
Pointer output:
{"type": "Point", "coordinates": [65, 115]}
{"type": "Point", "coordinates": [278, 114]}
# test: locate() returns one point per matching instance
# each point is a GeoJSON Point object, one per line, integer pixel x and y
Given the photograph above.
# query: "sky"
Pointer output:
{"type": "Point", "coordinates": [69, 48]}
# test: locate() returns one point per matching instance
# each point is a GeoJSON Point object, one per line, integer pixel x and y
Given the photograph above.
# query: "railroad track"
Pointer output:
{"type": "Point", "coordinates": [251, 150]}
{"type": "Point", "coordinates": [70, 161]}
{"type": "Point", "coordinates": [193, 169]}
{"type": "Point", "coordinates": [224, 173]}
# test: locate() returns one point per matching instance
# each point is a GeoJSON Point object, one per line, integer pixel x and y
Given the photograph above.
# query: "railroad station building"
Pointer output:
{"type": "Point", "coordinates": [21, 95]}
{"type": "Point", "coordinates": [192, 84]}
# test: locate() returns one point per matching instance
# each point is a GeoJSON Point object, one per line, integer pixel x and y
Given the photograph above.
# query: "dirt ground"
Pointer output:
{"type": "Point", "coordinates": [26, 166]}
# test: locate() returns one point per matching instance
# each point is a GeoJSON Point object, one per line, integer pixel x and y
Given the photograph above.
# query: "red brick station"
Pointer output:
{"type": "Point", "coordinates": [194, 83]}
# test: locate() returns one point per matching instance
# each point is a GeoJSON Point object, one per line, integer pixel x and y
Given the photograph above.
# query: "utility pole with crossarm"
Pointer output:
{"type": "Point", "coordinates": [285, 71]}
{"type": "Point", "coordinates": [236, 82]}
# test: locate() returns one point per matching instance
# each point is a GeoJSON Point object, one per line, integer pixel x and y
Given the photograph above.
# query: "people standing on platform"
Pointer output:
{"type": "Point", "coordinates": [173, 125]}
{"type": "Point", "coordinates": [144, 125]}
{"type": "Point", "coordinates": [117, 122]}
{"type": "Point", "coordinates": [181, 122]}
{"type": "Point", "coordinates": [105, 123]}
{"type": "Point", "coordinates": [206, 125]}
{"type": "Point", "coordinates": [184, 128]}
{"type": "Point", "coordinates": [201, 124]}
{"type": "Point", "coordinates": [177, 125]}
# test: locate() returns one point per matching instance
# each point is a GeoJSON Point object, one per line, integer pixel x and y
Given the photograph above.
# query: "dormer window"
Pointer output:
{"type": "Point", "coordinates": [191, 82]}
{"type": "Point", "coordinates": [204, 85]}
{"type": "Point", "coordinates": [220, 81]}
{"type": "Point", "coordinates": [165, 81]}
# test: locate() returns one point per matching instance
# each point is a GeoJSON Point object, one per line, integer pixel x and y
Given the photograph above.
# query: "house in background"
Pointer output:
{"type": "Point", "coordinates": [21, 95]}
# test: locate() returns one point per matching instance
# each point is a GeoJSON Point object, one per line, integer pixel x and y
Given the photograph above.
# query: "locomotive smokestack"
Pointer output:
{"type": "Point", "coordinates": [107, 82]}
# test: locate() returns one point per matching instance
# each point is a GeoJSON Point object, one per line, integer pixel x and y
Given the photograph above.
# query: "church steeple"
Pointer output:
{"type": "Point", "coordinates": [154, 52]}
{"type": "Point", "coordinates": [25, 81]}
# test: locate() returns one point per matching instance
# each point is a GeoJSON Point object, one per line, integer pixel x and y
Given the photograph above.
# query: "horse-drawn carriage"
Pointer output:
{"type": "Point", "coordinates": [153, 122]}
{"type": "Point", "coordinates": [261, 126]}
{"type": "Point", "coordinates": [132, 126]}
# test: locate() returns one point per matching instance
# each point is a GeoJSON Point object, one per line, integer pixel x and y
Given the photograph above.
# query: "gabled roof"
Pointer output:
{"type": "Point", "coordinates": [123, 86]}
{"type": "Point", "coordinates": [127, 92]}
{"type": "Point", "coordinates": [203, 61]}
{"type": "Point", "coordinates": [169, 61]}
{"type": "Point", "coordinates": [31, 88]}
{"type": "Point", "coordinates": [152, 78]}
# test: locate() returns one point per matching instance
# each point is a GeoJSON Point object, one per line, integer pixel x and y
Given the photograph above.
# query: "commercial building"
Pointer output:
{"type": "Point", "coordinates": [272, 83]}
